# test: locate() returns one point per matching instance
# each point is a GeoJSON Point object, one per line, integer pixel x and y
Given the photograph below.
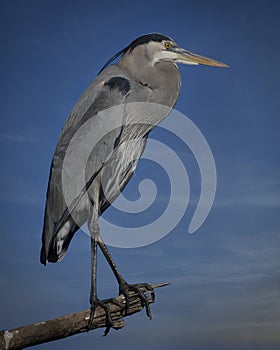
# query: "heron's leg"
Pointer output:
{"type": "Point", "coordinates": [124, 287]}
{"type": "Point", "coordinates": [94, 301]}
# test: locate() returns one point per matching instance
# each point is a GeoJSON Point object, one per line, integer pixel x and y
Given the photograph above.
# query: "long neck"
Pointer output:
{"type": "Point", "coordinates": [163, 77]}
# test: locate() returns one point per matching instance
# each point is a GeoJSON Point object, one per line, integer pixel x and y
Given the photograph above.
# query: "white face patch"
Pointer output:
{"type": "Point", "coordinates": [165, 55]}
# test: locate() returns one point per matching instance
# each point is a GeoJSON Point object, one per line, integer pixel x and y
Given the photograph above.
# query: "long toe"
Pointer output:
{"type": "Point", "coordinates": [140, 289]}
{"type": "Point", "coordinates": [105, 306]}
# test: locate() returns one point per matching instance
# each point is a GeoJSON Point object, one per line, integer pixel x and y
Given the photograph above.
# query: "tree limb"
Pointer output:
{"type": "Point", "coordinates": [65, 326]}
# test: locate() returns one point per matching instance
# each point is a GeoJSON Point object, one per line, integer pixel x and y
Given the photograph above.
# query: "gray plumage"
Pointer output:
{"type": "Point", "coordinates": [146, 72]}
{"type": "Point", "coordinates": [117, 84]}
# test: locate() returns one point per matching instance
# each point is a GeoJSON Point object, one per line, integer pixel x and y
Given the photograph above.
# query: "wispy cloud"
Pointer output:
{"type": "Point", "coordinates": [249, 187]}
{"type": "Point", "coordinates": [21, 198]}
{"type": "Point", "coordinates": [263, 199]}
{"type": "Point", "coordinates": [19, 138]}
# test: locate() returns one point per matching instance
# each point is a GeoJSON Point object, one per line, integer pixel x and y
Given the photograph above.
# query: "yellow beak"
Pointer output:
{"type": "Point", "coordinates": [187, 57]}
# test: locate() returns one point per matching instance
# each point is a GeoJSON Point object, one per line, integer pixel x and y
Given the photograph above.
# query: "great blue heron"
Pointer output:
{"type": "Point", "coordinates": [146, 72]}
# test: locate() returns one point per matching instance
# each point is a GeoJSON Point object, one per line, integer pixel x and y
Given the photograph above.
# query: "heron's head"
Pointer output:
{"type": "Point", "coordinates": [158, 48]}
{"type": "Point", "coordinates": [153, 48]}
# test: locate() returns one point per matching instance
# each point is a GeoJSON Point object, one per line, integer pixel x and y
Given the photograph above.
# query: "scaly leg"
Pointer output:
{"type": "Point", "coordinates": [94, 301]}
{"type": "Point", "coordinates": [124, 287]}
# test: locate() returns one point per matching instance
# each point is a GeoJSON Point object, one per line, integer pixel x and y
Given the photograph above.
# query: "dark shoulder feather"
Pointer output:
{"type": "Point", "coordinates": [120, 83]}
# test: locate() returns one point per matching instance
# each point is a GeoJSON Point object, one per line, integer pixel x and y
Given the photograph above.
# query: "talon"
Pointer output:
{"type": "Point", "coordinates": [125, 288]}
{"type": "Point", "coordinates": [106, 308]}
{"type": "Point", "coordinates": [91, 317]}
{"type": "Point", "coordinates": [107, 330]}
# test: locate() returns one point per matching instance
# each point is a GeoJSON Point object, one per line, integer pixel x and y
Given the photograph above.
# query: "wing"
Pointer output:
{"type": "Point", "coordinates": [111, 88]}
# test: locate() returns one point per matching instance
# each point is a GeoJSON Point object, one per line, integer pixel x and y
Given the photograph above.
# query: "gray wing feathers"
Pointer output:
{"type": "Point", "coordinates": [96, 98]}
{"type": "Point", "coordinates": [87, 121]}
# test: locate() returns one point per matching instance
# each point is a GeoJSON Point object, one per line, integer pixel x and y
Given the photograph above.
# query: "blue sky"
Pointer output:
{"type": "Point", "coordinates": [225, 278]}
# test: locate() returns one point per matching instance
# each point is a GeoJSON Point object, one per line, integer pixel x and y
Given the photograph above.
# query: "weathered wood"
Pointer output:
{"type": "Point", "coordinates": [65, 326]}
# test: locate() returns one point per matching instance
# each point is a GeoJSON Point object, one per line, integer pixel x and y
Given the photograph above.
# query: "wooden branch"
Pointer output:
{"type": "Point", "coordinates": [65, 326]}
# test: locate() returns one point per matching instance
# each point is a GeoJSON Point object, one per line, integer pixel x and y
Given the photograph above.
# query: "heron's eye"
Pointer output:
{"type": "Point", "coordinates": [167, 45]}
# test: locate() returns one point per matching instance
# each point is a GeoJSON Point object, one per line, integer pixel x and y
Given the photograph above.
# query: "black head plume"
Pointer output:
{"type": "Point", "coordinates": [144, 39]}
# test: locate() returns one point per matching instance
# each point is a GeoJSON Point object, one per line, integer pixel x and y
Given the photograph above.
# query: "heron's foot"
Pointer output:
{"type": "Point", "coordinates": [139, 289]}
{"type": "Point", "coordinates": [104, 304]}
